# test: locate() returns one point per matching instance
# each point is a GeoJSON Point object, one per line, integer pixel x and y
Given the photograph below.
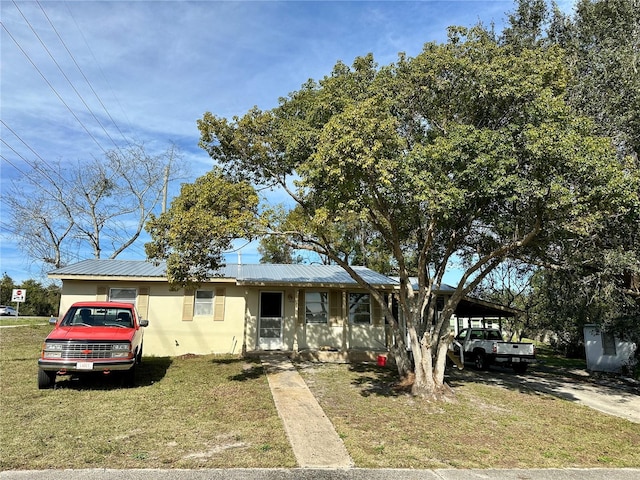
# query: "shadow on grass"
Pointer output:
{"type": "Point", "coordinates": [251, 369]}
{"type": "Point", "coordinates": [375, 380]}
{"type": "Point", "coordinates": [562, 383]}
{"type": "Point", "coordinates": [152, 370]}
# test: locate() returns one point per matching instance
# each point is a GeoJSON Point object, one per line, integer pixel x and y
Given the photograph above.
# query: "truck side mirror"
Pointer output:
{"type": "Point", "coordinates": [53, 320]}
{"type": "Point", "coordinates": [144, 323]}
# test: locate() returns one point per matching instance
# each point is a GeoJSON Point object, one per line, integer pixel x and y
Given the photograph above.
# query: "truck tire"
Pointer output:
{"type": "Point", "coordinates": [46, 379]}
{"type": "Point", "coordinates": [139, 356]}
{"type": "Point", "coordinates": [520, 367]}
{"type": "Point", "coordinates": [130, 377]}
{"type": "Point", "coordinates": [480, 361]}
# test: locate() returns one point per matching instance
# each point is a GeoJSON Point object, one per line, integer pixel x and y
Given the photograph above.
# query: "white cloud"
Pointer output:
{"type": "Point", "coordinates": [158, 66]}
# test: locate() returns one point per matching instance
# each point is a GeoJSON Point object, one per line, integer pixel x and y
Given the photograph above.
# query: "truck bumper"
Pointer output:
{"type": "Point", "coordinates": [510, 360]}
{"type": "Point", "coordinates": [84, 366]}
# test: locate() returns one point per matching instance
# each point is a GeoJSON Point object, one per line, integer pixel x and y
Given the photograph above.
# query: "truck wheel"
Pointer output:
{"type": "Point", "coordinates": [46, 379]}
{"type": "Point", "coordinates": [520, 367]}
{"type": "Point", "coordinates": [139, 356]}
{"type": "Point", "coordinates": [130, 377]}
{"type": "Point", "coordinates": [480, 361]}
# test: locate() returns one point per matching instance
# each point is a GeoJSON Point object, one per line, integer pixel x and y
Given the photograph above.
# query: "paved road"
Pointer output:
{"type": "Point", "coordinates": [328, 474]}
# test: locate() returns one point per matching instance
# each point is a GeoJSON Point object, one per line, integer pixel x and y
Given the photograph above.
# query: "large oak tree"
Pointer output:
{"type": "Point", "coordinates": [469, 150]}
{"type": "Point", "coordinates": [595, 278]}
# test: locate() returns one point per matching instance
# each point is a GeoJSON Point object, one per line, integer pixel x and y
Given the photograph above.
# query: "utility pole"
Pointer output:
{"type": "Point", "coordinates": [167, 170]}
{"type": "Point", "coordinates": [165, 189]}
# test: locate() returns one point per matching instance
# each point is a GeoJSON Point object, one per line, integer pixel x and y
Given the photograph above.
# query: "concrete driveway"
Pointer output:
{"type": "Point", "coordinates": [609, 395]}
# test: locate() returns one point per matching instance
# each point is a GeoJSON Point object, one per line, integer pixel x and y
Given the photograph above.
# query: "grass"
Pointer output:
{"type": "Point", "coordinates": [191, 412]}
{"type": "Point", "coordinates": [217, 412]}
{"type": "Point", "coordinates": [547, 356]}
{"type": "Point", "coordinates": [13, 321]}
{"type": "Point", "coordinates": [486, 427]}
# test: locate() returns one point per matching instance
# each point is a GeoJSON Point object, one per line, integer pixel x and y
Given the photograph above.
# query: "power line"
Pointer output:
{"type": "Point", "coordinates": [82, 73]}
{"type": "Point", "coordinates": [45, 173]}
{"type": "Point", "coordinates": [9, 161]}
{"type": "Point", "coordinates": [95, 59]}
{"type": "Point", "coordinates": [52, 88]}
{"type": "Point", "coordinates": [65, 76]}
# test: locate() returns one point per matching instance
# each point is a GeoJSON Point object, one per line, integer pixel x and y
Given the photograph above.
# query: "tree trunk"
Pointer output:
{"type": "Point", "coordinates": [401, 355]}
{"type": "Point", "coordinates": [441, 358]}
{"type": "Point", "coordinates": [429, 378]}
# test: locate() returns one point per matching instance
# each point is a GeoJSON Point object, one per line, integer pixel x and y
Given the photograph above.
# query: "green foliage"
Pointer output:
{"type": "Point", "coordinates": [595, 278]}
{"type": "Point", "coordinates": [200, 225]}
{"type": "Point", "coordinates": [273, 249]}
{"type": "Point", "coordinates": [605, 50]}
{"type": "Point", "coordinates": [469, 148]}
{"type": "Point", "coordinates": [39, 301]}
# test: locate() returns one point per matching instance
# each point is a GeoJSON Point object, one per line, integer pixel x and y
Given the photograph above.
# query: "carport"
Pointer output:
{"type": "Point", "coordinates": [473, 312]}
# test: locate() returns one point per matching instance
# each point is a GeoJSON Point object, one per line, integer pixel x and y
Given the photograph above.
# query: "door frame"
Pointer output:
{"type": "Point", "coordinates": [271, 342]}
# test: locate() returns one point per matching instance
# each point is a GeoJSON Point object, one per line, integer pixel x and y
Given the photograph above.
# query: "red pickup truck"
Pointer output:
{"type": "Point", "coordinates": [92, 337]}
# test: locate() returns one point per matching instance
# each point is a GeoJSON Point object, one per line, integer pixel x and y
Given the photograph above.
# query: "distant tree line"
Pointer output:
{"type": "Point", "coordinates": [40, 300]}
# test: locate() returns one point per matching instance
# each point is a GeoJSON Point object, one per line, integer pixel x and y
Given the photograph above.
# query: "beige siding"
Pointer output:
{"type": "Point", "coordinates": [201, 335]}
{"type": "Point", "coordinates": [235, 318]}
{"type": "Point", "coordinates": [142, 302]}
{"type": "Point", "coordinates": [167, 333]}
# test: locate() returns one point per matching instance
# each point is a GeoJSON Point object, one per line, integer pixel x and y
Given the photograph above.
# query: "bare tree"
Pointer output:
{"type": "Point", "coordinates": [59, 208]}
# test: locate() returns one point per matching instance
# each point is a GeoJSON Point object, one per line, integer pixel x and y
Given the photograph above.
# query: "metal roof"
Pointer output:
{"type": "Point", "coordinates": [308, 274]}
{"type": "Point", "coordinates": [245, 274]}
{"type": "Point", "coordinates": [444, 288]}
{"type": "Point", "coordinates": [111, 268]}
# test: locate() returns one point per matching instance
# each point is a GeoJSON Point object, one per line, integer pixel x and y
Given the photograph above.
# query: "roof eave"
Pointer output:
{"type": "Point", "coordinates": [264, 283]}
{"type": "Point", "coordinates": [63, 276]}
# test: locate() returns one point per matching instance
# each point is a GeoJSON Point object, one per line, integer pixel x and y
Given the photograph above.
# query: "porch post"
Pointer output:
{"type": "Point", "coordinates": [296, 317]}
{"type": "Point", "coordinates": [345, 323]}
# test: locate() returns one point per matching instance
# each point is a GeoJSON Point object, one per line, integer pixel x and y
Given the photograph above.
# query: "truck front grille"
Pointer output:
{"type": "Point", "coordinates": [87, 350]}
{"type": "Point", "coordinates": [78, 350]}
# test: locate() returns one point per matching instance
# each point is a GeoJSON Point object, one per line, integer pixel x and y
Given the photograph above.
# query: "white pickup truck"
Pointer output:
{"type": "Point", "coordinates": [485, 346]}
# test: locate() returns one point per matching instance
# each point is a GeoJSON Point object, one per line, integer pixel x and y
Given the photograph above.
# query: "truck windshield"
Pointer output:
{"type": "Point", "coordinates": [99, 316]}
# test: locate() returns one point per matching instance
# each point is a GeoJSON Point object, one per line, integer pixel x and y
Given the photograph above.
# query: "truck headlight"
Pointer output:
{"type": "Point", "coordinates": [52, 350]}
{"type": "Point", "coordinates": [120, 350]}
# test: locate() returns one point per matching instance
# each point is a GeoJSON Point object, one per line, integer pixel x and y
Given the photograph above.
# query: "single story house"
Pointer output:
{"type": "Point", "coordinates": [605, 352]}
{"type": "Point", "coordinates": [314, 311]}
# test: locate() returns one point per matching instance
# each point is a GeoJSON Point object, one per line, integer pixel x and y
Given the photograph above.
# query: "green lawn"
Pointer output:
{"type": "Point", "coordinates": [217, 412]}
{"type": "Point", "coordinates": [485, 427]}
{"type": "Point", "coordinates": [189, 412]}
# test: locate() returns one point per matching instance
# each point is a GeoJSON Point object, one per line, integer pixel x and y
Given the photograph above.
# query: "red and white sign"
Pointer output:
{"type": "Point", "coordinates": [18, 295]}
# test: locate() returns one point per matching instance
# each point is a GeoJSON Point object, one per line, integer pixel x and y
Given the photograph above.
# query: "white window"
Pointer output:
{"type": "Point", "coordinates": [204, 303]}
{"type": "Point", "coordinates": [360, 308]}
{"type": "Point", "coordinates": [316, 307]}
{"type": "Point", "coordinates": [127, 295]}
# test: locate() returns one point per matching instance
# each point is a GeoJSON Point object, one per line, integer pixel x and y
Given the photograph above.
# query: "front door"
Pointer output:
{"type": "Point", "coordinates": [270, 331]}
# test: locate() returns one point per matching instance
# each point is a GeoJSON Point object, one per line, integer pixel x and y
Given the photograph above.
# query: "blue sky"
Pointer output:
{"type": "Point", "coordinates": [153, 68]}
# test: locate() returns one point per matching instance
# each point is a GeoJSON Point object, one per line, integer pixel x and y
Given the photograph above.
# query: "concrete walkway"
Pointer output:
{"type": "Point", "coordinates": [313, 438]}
